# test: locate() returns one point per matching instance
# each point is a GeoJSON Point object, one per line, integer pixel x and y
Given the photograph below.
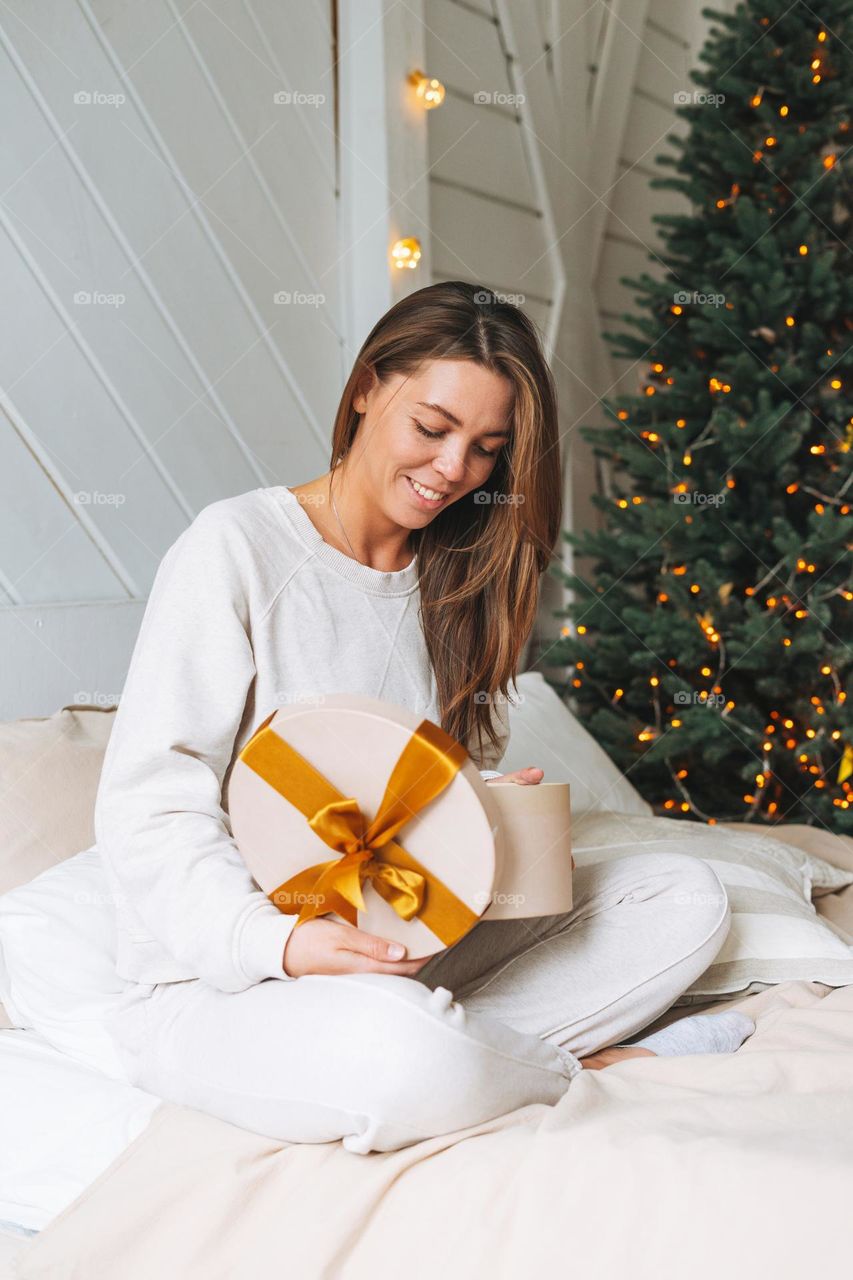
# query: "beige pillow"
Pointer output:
{"type": "Point", "coordinates": [776, 934]}
{"type": "Point", "coordinates": [50, 769]}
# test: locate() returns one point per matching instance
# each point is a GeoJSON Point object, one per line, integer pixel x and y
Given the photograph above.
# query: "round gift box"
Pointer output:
{"type": "Point", "coordinates": [354, 742]}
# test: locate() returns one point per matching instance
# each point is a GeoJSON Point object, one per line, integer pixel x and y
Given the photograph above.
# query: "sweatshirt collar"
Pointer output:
{"type": "Point", "coordinates": [393, 583]}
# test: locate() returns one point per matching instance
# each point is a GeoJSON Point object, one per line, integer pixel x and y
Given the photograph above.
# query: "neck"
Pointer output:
{"type": "Point", "coordinates": [362, 528]}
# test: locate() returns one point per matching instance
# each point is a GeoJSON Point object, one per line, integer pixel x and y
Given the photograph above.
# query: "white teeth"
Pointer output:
{"type": "Point", "coordinates": [427, 493]}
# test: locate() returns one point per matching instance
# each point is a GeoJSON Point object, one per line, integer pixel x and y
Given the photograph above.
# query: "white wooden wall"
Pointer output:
{"type": "Point", "coordinates": [149, 167]}
{"type": "Point", "coordinates": [182, 199]}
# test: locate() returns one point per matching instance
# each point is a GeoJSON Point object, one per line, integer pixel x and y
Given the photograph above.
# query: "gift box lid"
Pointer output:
{"type": "Point", "coordinates": [354, 742]}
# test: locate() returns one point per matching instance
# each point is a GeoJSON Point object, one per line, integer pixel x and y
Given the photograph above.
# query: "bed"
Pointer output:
{"type": "Point", "coordinates": [653, 1167]}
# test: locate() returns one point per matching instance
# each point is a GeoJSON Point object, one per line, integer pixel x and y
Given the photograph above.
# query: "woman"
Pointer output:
{"type": "Point", "coordinates": [408, 572]}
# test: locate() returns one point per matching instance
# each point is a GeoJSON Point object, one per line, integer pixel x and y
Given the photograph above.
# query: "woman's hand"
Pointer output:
{"type": "Point", "coordinates": [528, 777]}
{"type": "Point", "coordinates": [325, 946]}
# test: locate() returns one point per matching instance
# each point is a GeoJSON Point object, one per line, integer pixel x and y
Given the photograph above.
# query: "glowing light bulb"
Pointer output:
{"type": "Point", "coordinates": [428, 90]}
{"type": "Point", "coordinates": [406, 253]}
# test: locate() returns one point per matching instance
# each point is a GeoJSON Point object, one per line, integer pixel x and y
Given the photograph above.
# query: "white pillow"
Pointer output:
{"type": "Point", "coordinates": [57, 960]}
{"type": "Point", "coordinates": [62, 1124]}
{"type": "Point", "coordinates": [544, 732]}
{"type": "Point", "coordinates": [776, 935]}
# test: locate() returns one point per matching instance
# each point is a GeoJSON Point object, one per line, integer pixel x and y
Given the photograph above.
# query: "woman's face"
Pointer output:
{"type": "Point", "coordinates": [466, 411]}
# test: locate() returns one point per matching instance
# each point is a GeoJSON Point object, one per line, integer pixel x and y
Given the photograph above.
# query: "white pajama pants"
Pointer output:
{"type": "Point", "coordinates": [495, 1022]}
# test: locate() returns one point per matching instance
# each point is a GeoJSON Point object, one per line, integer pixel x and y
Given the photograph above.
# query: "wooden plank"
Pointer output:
{"type": "Point", "coordinates": [474, 237]}
{"type": "Point", "coordinates": [62, 654]}
{"type": "Point", "coordinates": [649, 127]}
{"type": "Point", "coordinates": [633, 203]}
{"type": "Point", "coordinates": [62, 393]}
{"type": "Point", "coordinates": [611, 104]}
{"type": "Point", "coordinates": [621, 259]}
{"type": "Point", "coordinates": [663, 67]}
{"type": "Point", "coordinates": [462, 49]}
{"type": "Point", "coordinates": [674, 16]}
{"type": "Point", "coordinates": [464, 138]}
{"type": "Point", "coordinates": [49, 544]}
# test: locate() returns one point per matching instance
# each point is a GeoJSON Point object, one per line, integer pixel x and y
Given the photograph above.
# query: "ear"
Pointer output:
{"type": "Point", "coordinates": [364, 387]}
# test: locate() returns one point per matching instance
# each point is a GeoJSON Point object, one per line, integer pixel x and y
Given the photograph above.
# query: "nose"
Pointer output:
{"type": "Point", "coordinates": [451, 465]}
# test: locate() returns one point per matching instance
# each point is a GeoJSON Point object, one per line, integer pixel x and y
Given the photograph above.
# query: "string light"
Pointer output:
{"type": "Point", "coordinates": [717, 385]}
{"type": "Point", "coordinates": [429, 91]}
{"type": "Point", "coordinates": [406, 252]}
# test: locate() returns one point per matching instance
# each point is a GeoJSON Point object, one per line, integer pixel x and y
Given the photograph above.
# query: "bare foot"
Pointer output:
{"type": "Point", "coordinates": [607, 1057]}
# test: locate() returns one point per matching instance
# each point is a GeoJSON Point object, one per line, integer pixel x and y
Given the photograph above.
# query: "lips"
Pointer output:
{"type": "Point", "coordinates": [434, 501]}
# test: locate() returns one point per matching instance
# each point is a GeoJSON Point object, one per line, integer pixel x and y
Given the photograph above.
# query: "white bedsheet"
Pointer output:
{"type": "Point", "coordinates": [61, 1124]}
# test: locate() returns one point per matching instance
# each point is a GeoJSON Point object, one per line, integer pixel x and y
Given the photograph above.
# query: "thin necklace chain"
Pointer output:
{"type": "Point", "coordinates": [341, 523]}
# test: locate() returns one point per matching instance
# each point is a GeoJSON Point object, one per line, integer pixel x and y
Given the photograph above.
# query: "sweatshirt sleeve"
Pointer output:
{"type": "Point", "coordinates": [158, 815]}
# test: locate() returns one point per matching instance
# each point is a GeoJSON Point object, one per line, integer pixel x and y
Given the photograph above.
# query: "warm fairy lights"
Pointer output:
{"type": "Point", "coordinates": [785, 733]}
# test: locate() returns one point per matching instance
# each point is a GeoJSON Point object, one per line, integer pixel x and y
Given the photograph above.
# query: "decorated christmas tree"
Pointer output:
{"type": "Point", "coordinates": [710, 649]}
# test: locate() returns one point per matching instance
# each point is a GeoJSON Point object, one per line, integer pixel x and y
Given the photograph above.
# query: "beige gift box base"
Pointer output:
{"type": "Point", "coordinates": [502, 849]}
{"type": "Point", "coordinates": [535, 876]}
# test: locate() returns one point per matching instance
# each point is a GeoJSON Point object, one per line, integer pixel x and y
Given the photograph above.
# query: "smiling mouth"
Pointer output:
{"type": "Point", "coordinates": [433, 502]}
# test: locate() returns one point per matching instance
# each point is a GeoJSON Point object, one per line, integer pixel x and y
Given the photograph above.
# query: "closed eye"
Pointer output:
{"type": "Point", "coordinates": [436, 435]}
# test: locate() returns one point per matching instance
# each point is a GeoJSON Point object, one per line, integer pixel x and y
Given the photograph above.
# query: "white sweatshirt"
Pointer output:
{"type": "Point", "coordinates": [250, 608]}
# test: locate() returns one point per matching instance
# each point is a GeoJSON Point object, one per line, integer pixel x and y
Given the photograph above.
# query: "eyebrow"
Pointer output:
{"type": "Point", "coordinates": [445, 413]}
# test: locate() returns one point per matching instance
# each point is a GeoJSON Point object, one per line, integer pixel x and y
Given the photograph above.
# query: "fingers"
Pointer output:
{"type": "Point", "coordinates": [524, 777]}
{"type": "Point", "coordinates": [368, 953]}
{"type": "Point", "coordinates": [355, 962]}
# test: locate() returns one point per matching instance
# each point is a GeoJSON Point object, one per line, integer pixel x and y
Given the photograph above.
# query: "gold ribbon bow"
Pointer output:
{"type": "Point", "coordinates": [428, 762]}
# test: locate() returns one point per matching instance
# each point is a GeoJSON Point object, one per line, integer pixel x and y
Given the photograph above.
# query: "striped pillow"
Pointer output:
{"type": "Point", "coordinates": [776, 935]}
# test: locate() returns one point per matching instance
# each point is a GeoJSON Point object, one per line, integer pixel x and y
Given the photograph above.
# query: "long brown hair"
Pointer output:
{"type": "Point", "coordinates": [479, 562]}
